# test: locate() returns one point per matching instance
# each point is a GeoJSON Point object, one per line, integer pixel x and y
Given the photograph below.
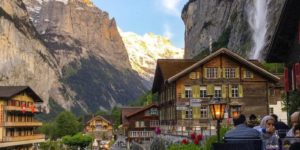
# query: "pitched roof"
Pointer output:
{"type": "Point", "coordinates": [101, 117]}
{"type": "Point", "coordinates": [230, 54]}
{"type": "Point", "coordinates": [8, 92]}
{"type": "Point", "coordinates": [126, 111]}
{"type": "Point", "coordinates": [167, 68]}
{"type": "Point", "coordinates": [141, 110]}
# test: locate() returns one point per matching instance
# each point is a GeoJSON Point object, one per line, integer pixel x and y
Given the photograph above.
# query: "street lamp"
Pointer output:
{"type": "Point", "coordinates": [217, 109]}
{"type": "Point", "coordinates": [235, 110]}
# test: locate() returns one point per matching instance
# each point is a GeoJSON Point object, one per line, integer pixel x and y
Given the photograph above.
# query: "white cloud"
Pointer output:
{"type": "Point", "coordinates": [167, 31]}
{"type": "Point", "coordinates": [171, 6]}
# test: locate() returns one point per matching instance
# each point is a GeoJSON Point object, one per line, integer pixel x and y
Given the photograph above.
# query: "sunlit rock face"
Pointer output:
{"type": "Point", "coordinates": [69, 51]}
{"type": "Point", "coordinates": [144, 51]}
{"type": "Point", "coordinates": [224, 23]}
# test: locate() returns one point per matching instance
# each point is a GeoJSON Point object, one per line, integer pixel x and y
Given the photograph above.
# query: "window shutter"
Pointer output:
{"type": "Point", "coordinates": [219, 72]}
{"type": "Point", "coordinates": [230, 91]}
{"type": "Point", "coordinates": [224, 91]}
{"type": "Point", "coordinates": [196, 91]}
{"type": "Point", "coordinates": [198, 75]}
{"type": "Point", "coordinates": [205, 72]}
{"type": "Point", "coordinates": [241, 94]}
{"type": "Point", "coordinates": [183, 114]}
{"type": "Point", "coordinates": [244, 73]}
{"type": "Point", "coordinates": [237, 72]}
{"type": "Point", "coordinates": [252, 74]}
{"type": "Point", "coordinates": [210, 89]}
{"type": "Point", "coordinates": [183, 92]}
{"type": "Point", "coordinates": [196, 114]}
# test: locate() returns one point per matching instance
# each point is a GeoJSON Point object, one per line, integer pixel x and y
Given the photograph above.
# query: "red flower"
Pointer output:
{"type": "Point", "coordinates": [196, 141]}
{"type": "Point", "coordinates": [199, 137]}
{"type": "Point", "coordinates": [193, 136]}
{"type": "Point", "coordinates": [185, 141]}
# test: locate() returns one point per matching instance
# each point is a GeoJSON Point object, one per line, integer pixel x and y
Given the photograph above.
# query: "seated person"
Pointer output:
{"type": "Point", "coordinates": [241, 130]}
{"type": "Point", "coordinates": [266, 127]}
{"type": "Point", "coordinates": [296, 131]}
{"type": "Point", "coordinates": [279, 124]}
{"type": "Point", "coordinates": [294, 121]}
{"type": "Point", "coordinates": [252, 121]}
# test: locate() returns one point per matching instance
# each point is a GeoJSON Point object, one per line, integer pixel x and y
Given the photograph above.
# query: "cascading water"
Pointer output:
{"type": "Point", "coordinates": [257, 18]}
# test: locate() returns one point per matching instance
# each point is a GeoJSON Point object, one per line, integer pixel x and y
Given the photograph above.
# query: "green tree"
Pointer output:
{"type": "Point", "coordinates": [116, 114]}
{"type": "Point", "coordinates": [66, 124]}
{"type": "Point", "coordinates": [293, 102]}
{"type": "Point", "coordinates": [49, 130]}
{"type": "Point", "coordinates": [78, 140]}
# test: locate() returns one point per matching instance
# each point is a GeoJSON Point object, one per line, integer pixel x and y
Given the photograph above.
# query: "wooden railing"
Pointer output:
{"type": "Point", "coordinates": [22, 124]}
{"type": "Point", "coordinates": [23, 138]}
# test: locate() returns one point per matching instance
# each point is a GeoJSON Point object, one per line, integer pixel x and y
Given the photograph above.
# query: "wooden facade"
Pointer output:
{"type": "Point", "coordinates": [18, 129]}
{"type": "Point", "coordinates": [184, 97]}
{"type": "Point", "coordinates": [142, 123]}
{"type": "Point", "coordinates": [100, 128]}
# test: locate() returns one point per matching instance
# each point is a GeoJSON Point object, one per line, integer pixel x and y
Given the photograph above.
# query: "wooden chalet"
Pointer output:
{"type": "Point", "coordinates": [184, 95]}
{"type": "Point", "coordinates": [100, 127]}
{"type": "Point", "coordinates": [142, 123]}
{"type": "Point", "coordinates": [18, 128]}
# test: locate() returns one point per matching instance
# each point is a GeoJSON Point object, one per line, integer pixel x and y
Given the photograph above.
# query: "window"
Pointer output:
{"type": "Point", "coordinates": [188, 92]}
{"type": "Point", "coordinates": [203, 112]}
{"type": "Point", "coordinates": [193, 75]}
{"type": "Point", "coordinates": [248, 74]}
{"type": "Point", "coordinates": [229, 72]}
{"type": "Point", "coordinates": [203, 92]}
{"type": "Point", "coordinates": [212, 73]}
{"type": "Point", "coordinates": [218, 92]}
{"type": "Point", "coordinates": [235, 91]}
{"type": "Point", "coordinates": [153, 111]}
{"type": "Point", "coordinates": [137, 124]}
{"type": "Point", "coordinates": [271, 110]}
{"type": "Point", "coordinates": [154, 123]}
{"type": "Point", "coordinates": [188, 114]}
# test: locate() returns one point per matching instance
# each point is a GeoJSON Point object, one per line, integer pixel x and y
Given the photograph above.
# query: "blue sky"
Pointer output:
{"type": "Point", "coordinates": [162, 17]}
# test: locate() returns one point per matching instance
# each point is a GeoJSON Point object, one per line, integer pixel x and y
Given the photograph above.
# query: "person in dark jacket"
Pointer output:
{"type": "Point", "coordinates": [241, 130]}
{"type": "Point", "coordinates": [279, 124]}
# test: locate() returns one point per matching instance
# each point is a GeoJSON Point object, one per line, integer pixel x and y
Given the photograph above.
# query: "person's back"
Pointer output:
{"type": "Point", "coordinates": [241, 130]}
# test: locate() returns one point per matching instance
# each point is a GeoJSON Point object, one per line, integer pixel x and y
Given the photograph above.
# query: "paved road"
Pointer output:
{"type": "Point", "coordinates": [116, 147]}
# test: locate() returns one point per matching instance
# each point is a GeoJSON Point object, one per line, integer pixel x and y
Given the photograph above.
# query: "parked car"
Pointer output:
{"type": "Point", "coordinates": [104, 145]}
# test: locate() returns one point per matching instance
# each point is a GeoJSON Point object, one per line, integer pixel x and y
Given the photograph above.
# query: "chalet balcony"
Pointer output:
{"type": "Point", "coordinates": [18, 108]}
{"type": "Point", "coordinates": [23, 138]}
{"type": "Point", "coordinates": [22, 124]}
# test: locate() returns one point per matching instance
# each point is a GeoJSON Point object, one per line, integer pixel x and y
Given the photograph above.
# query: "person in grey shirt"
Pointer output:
{"type": "Point", "coordinates": [241, 130]}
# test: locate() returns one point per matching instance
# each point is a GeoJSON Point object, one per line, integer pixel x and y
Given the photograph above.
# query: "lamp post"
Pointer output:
{"type": "Point", "coordinates": [235, 110]}
{"type": "Point", "coordinates": [217, 109]}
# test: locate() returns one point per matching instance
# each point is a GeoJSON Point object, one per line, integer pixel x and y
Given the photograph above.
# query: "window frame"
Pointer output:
{"type": "Point", "coordinates": [234, 91]}
{"type": "Point", "coordinates": [204, 111]}
{"type": "Point", "coordinates": [212, 73]}
{"type": "Point", "coordinates": [229, 73]}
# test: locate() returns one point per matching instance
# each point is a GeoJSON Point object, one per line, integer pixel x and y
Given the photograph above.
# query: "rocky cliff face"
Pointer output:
{"type": "Point", "coordinates": [24, 59]}
{"type": "Point", "coordinates": [223, 23]}
{"type": "Point", "coordinates": [69, 51]}
{"type": "Point", "coordinates": [144, 51]}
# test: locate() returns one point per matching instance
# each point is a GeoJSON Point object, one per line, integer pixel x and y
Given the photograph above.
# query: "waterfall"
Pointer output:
{"type": "Point", "coordinates": [257, 18]}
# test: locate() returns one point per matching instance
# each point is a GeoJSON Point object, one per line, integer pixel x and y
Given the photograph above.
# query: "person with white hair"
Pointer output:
{"type": "Point", "coordinates": [294, 121]}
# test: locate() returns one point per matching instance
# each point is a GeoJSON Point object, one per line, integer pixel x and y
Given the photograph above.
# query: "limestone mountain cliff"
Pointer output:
{"type": "Point", "coordinates": [144, 51]}
{"type": "Point", "coordinates": [69, 51]}
{"type": "Point", "coordinates": [224, 23]}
